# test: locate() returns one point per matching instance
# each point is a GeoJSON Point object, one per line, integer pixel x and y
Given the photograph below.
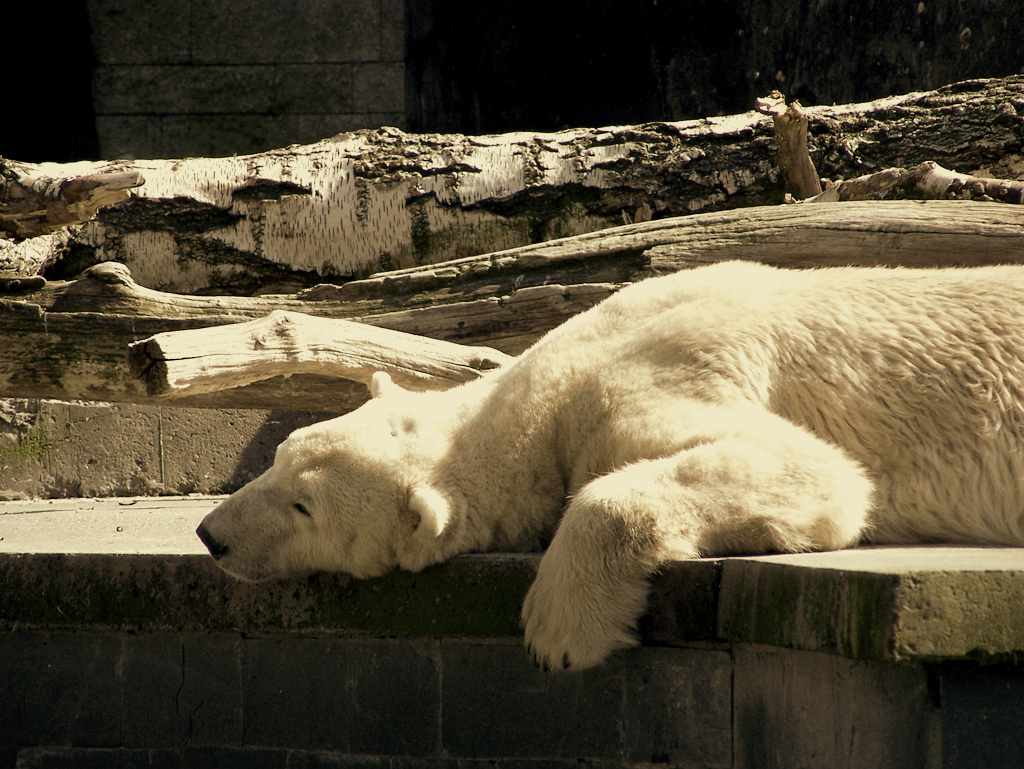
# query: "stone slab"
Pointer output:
{"type": "Point", "coordinates": [136, 563]}
{"type": "Point", "coordinates": [879, 603]}
{"type": "Point", "coordinates": [127, 526]}
{"type": "Point", "coordinates": [802, 709]}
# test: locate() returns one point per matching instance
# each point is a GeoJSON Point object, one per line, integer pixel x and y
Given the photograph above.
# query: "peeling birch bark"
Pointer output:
{"type": "Point", "coordinates": [33, 203]}
{"type": "Point", "coordinates": [374, 201]}
{"type": "Point", "coordinates": [928, 181]}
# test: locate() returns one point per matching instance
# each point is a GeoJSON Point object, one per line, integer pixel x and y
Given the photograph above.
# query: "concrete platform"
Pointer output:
{"type": "Point", "coordinates": [127, 526]}
{"type": "Point", "coordinates": [122, 643]}
{"type": "Point", "coordinates": [877, 603]}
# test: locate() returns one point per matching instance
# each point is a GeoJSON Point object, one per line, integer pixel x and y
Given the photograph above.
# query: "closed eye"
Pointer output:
{"type": "Point", "coordinates": [302, 509]}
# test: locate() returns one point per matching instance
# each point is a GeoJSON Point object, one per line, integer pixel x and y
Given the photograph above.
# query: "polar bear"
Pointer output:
{"type": "Point", "coordinates": [736, 408]}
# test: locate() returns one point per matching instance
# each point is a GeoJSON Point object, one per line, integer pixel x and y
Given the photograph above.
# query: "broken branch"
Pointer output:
{"type": "Point", "coordinates": [198, 361]}
{"type": "Point", "coordinates": [32, 203]}
{"type": "Point", "coordinates": [798, 173]}
{"type": "Point", "coordinates": [927, 180]}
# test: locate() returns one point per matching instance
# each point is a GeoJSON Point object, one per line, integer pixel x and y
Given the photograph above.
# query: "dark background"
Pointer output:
{"type": "Point", "coordinates": [477, 67]}
{"type": "Point", "coordinates": [473, 66]}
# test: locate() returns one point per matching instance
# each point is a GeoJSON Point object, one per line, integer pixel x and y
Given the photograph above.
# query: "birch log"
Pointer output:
{"type": "Point", "coordinates": [373, 201]}
{"type": "Point", "coordinates": [929, 181]}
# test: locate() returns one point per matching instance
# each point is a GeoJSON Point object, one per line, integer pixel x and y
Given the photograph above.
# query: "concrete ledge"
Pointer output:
{"type": "Point", "coordinates": [135, 564]}
{"type": "Point", "coordinates": [124, 645]}
{"type": "Point", "coordinates": [882, 603]}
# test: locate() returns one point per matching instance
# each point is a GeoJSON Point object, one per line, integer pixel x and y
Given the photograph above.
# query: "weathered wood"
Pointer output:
{"type": "Point", "coordinates": [70, 340]}
{"type": "Point", "coordinates": [288, 343]}
{"type": "Point", "coordinates": [867, 234]}
{"type": "Point", "coordinates": [876, 233]}
{"type": "Point", "coordinates": [33, 203]}
{"type": "Point", "coordinates": [70, 354]}
{"type": "Point", "coordinates": [927, 180]}
{"type": "Point", "coordinates": [799, 177]}
{"type": "Point", "coordinates": [379, 200]}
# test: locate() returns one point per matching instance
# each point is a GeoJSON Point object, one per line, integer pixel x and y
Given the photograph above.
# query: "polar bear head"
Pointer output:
{"type": "Point", "coordinates": [351, 494]}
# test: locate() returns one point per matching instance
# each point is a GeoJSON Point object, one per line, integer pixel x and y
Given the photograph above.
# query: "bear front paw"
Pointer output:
{"type": "Point", "coordinates": [570, 627]}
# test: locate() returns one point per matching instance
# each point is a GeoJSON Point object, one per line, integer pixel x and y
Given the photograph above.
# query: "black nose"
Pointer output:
{"type": "Point", "coordinates": [217, 550]}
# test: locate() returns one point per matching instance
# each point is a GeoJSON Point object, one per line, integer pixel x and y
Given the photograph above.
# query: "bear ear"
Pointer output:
{"type": "Point", "coordinates": [432, 509]}
{"type": "Point", "coordinates": [381, 385]}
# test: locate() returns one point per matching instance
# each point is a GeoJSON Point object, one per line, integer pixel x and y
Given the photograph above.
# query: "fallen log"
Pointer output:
{"type": "Point", "coordinates": [381, 200]}
{"type": "Point", "coordinates": [69, 340]}
{"type": "Point", "coordinates": [927, 181]}
{"type": "Point", "coordinates": [863, 234]}
{"type": "Point", "coordinates": [283, 344]}
{"type": "Point", "coordinates": [56, 350]}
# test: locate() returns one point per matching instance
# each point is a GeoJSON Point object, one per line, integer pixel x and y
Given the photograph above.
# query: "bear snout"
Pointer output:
{"type": "Point", "coordinates": [217, 550]}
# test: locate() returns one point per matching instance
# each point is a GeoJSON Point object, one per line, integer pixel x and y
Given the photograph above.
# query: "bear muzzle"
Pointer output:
{"type": "Point", "coordinates": [217, 550]}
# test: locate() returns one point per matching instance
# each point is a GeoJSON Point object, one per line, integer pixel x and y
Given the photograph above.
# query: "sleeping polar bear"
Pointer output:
{"type": "Point", "coordinates": [730, 409]}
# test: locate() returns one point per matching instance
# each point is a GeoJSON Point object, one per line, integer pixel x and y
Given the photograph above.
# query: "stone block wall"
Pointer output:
{"type": "Point", "coordinates": [190, 78]}
{"type": "Point", "coordinates": [56, 449]}
{"type": "Point", "coordinates": [212, 78]}
{"type": "Point", "coordinates": [120, 659]}
{"type": "Point", "coordinates": [194, 699]}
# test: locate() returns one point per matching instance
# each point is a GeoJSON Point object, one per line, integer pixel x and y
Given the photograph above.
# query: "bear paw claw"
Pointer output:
{"type": "Point", "coordinates": [578, 641]}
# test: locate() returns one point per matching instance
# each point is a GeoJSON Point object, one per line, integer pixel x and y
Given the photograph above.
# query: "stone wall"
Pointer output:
{"type": "Point", "coordinates": [212, 78]}
{"type": "Point", "coordinates": [56, 449]}
{"type": "Point", "coordinates": [883, 657]}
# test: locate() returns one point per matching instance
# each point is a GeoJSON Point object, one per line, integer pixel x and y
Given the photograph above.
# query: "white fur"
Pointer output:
{"type": "Point", "coordinates": [731, 409]}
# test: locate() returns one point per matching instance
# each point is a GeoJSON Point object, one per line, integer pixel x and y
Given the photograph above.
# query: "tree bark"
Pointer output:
{"type": "Point", "coordinates": [928, 180]}
{"type": "Point", "coordinates": [378, 200]}
{"type": "Point", "coordinates": [69, 340]}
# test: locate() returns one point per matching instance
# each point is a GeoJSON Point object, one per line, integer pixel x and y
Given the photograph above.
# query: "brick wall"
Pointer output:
{"type": "Point", "coordinates": [210, 78]}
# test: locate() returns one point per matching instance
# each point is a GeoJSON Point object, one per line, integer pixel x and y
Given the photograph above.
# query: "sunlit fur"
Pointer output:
{"type": "Point", "coordinates": [730, 409]}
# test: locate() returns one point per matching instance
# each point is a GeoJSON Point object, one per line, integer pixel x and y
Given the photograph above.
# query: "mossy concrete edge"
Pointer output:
{"type": "Point", "coordinates": [933, 610]}
{"type": "Point", "coordinates": [880, 614]}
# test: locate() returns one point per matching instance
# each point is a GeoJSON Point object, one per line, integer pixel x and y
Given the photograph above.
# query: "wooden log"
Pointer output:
{"type": "Point", "coordinates": [799, 176]}
{"type": "Point", "coordinates": [381, 200]}
{"type": "Point", "coordinates": [288, 343]}
{"type": "Point", "coordinates": [70, 340]}
{"type": "Point", "coordinates": [33, 203]}
{"type": "Point", "coordinates": [865, 234]}
{"type": "Point", "coordinates": [928, 181]}
{"type": "Point", "coordinates": [869, 234]}
{"type": "Point", "coordinates": [71, 354]}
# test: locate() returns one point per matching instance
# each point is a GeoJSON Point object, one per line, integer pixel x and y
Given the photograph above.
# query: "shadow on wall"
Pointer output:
{"type": "Point", "coordinates": [258, 454]}
{"type": "Point", "coordinates": [475, 67]}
